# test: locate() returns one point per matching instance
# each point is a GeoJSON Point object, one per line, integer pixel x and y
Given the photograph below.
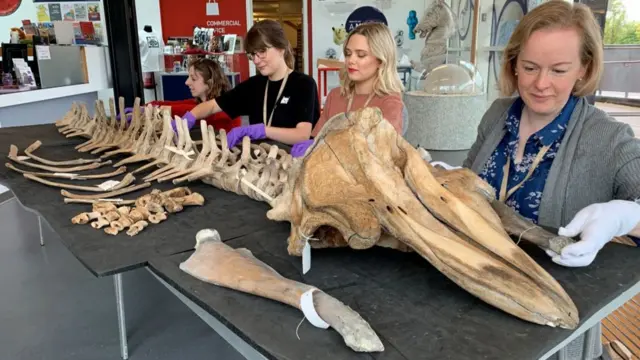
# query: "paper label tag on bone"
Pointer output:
{"type": "Point", "coordinates": [108, 185]}
{"type": "Point", "coordinates": [174, 149]}
{"type": "Point", "coordinates": [111, 200]}
{"type": "Point", "coordinates": [66, 175]}
{"type": "Point", "coordinates": [23, 158]}
{"type": "Point", "coordinates": [306, 257]}
{"type": "Point", "coordinates": [445, 165]}
{"type": "Point", "coordinates": [309, 310]}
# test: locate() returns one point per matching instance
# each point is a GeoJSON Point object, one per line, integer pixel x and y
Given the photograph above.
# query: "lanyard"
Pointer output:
{"type": "Point", "coordinates": [365, 104]}
{"type": "Point", "coordinates": [264, 104]}
{"type": "Point", "coordinates": [504, 194]}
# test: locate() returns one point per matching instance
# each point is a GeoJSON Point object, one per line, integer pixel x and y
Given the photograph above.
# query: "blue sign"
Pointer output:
{"type": "Point", "coordinates": [363, 15]}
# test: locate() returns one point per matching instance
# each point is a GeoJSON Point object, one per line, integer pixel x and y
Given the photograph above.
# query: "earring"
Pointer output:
{"type": "Point", "coordinates": [516, 73]}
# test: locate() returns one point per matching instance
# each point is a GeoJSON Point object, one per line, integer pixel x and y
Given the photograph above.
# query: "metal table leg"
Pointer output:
{"type": "Point", "coordinates": [40, 227]}
{"type": "Point", "coordinates": [122, 326]}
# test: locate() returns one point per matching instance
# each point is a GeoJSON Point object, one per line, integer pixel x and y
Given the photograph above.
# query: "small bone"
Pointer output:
{"type": "Point", "coordinates": [112, 216]}
{"type": "Point", "coordinates": [194, 199]}
{"type": "Point", "coordinates": [137, 227]}
{"type": "Point", "coordinates": [85, 217]}
{"type": "Point", "coordinates": [139, 214]}
{"type": "Point", "coordinates": [123, 222]}
{"type": "Point", "coordinates": [100, 223]}
{"type": "Point", "coordinates": [172, 205]}
{"type": "Point", "coordinates": [124, 210]}
{"type": "Point", "coordinates": [177, 192]}
{"type": "Point", "coordinates": [111, 230]}
{"type": "Point", "coordinates": [104, 207]}
{"type": "Point", "coordinates": [157, 218]}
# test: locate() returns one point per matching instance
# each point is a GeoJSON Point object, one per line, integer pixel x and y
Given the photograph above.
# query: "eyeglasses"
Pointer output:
{"type": "Point", "coordinates": [261, 54]}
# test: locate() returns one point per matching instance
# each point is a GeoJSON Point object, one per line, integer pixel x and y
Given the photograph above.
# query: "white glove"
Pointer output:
{"type": "Point", "coordinates": [597, 224]}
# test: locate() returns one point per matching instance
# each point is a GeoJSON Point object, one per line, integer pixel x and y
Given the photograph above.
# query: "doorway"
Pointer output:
{"type": "Point", "coordinates": [289, 13]}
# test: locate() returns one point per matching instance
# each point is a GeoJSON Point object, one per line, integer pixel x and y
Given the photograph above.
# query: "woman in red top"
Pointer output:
{"type": "Point", "coordinates": [206, 81]}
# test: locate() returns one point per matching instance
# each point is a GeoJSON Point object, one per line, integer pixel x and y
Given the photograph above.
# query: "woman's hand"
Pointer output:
{"type": "Point", "coordinates": [259, 132]}
{"type": "Point", "coordinates": [596, 224]}
{"type": "Point", "coordinates": [254, 132]}
{"type": "Point", "coordinates": [191, 120]}
{"type": "Point", "coordinates": [300, 148]}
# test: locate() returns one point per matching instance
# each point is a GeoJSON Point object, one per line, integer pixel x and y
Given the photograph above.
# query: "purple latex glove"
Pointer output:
{"type": "Point", "coordinates": [254, 132]}
{"type": "Point", "coordinates": [300, 148]}
{"type": "Point", "coordinates": [127, 112]}
{"type": "Point", "coordinates": [191, 120]}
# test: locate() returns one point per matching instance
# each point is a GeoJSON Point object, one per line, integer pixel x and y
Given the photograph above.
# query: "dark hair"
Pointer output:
{"type": "Point", "coordinates": [265, 34]}
{"type": "Point", "coordinates": [212, 75]}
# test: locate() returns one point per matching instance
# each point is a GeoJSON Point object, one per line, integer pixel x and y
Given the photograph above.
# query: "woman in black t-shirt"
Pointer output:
{"type": "Point", "coordinates": [282, 104]}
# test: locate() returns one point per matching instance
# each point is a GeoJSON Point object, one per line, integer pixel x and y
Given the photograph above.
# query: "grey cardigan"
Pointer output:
{"type": "Point", "coordinates": [598, 160]}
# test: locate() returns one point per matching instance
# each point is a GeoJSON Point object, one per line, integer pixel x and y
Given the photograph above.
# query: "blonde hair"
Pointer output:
{"type": "Point", "coordinates": [383, 47]}
{"type": "Point", "coordinates": [557, 14]}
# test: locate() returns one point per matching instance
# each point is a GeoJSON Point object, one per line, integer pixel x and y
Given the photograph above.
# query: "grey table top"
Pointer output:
{"type": "Point", "coordinates": [417, 312]}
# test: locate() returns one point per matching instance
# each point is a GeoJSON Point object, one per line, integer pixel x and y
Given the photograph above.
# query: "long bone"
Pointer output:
{"type": "Point", "coordinates": [120, 170]}
{"type": "Point", "coordinates": [36, 145]}
{"type": "Point", "coordinates": [219, 264]}
{"type": "Point", "coordinates": [13, 155]}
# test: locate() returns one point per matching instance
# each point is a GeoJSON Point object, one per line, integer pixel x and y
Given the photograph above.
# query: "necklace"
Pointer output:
{"type": "Point", "coordinates": [264, 104]}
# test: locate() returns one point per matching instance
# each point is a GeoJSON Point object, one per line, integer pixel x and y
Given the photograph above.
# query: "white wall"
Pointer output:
{"type": "Point", "coordinates": [148, 13]}
{"type": "Point", "coordinates": [26, 11]}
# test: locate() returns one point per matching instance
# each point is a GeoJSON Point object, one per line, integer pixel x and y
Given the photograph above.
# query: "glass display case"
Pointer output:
{"type": "Point", "coordinates": [446, 106]}
{"type": "Point", "coordinates": [454, 77]}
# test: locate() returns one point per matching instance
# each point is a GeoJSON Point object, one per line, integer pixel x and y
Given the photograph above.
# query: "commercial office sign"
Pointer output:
{"type": "Point", "coordinates": [224, 16]}
{"type": "Point", "coordinates": [220, 26]}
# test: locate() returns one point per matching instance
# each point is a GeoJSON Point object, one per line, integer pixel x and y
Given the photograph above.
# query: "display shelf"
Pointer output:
{"type": "Point", "coordinates": [32, 96]}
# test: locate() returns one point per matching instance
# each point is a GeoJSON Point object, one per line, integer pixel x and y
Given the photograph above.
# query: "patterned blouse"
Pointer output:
{"type": "Point", "coordinates": [526, 200]}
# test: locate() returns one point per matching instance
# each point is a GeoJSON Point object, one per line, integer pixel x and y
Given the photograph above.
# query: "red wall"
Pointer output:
{"type": "Point", "coordinates": [179, 17]}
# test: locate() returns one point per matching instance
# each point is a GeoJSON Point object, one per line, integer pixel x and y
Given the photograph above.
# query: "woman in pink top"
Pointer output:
{"type": "Point", "coordinates": [371, 80]}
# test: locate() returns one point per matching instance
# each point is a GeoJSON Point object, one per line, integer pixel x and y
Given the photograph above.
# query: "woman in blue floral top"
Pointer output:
{"type": "Point", "coordinates": [548, 153]}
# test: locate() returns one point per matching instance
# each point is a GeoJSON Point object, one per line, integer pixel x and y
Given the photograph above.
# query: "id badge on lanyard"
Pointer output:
{"type": "Point", "coordinates": [264, 104]}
